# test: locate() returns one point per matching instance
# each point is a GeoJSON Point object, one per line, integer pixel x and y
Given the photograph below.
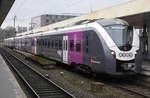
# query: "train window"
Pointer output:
{"type": "Point", "coordinates": [78, 45]}
{"type": "Point", "coordinates": [45, 43]}
{"type": "Point", "coordinates": [49, 44]}
{"type": "Point", "coordinates": [25, 43]}
{"type": "Point", "coordinates": [32, 44]}
{"type": "Point", "coordinates": [66, 45]}
{"type": "Point", "coordinates": [56, 44]}
{"type": "Point", "coordinates": [60, 44]}
{"type": "Point", "coordinates": [52, 44]}
{"type": "Point", "coordinates": [71, 45]}
{"type": "Point", "coordinates": [87, 50]}
{"type": "Point", "coordinates": [87, 43]}
{"type": "Point", "coordinates": [39, 42]}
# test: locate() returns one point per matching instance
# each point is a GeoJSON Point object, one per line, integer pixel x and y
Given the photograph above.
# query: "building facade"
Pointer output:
{"type": "Point", "coordinates": [21, 29]}
{"type": "Point", "coordinates": [44, 20]}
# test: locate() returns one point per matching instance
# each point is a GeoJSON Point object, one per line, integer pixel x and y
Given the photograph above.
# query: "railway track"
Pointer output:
{"type": "Point", "coordinates": [40, 86]}
{"type": "Point", "coordinates": [136, 89]}
{"type": "Point", "coordinates": [140, 88]}
{"type": "Point", "coordinates": [131, 85]}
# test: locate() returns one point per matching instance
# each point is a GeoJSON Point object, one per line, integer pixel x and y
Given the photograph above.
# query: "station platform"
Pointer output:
{"type": "Point", "coordinates": [9, 87]}
{"type": "Point", "coordinates": [146, 68]}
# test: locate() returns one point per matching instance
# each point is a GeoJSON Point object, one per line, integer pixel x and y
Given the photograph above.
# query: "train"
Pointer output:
{"type": "Point", "coordinates": [109, 46]}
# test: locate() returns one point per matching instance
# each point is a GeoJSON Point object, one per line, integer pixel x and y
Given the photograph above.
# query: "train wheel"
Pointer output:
{"type": "Point", "coordinates": [75, 67]}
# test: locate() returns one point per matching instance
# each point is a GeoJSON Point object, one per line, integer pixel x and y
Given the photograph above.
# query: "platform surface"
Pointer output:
{"type": "Point", "coordinates": [9, 87]}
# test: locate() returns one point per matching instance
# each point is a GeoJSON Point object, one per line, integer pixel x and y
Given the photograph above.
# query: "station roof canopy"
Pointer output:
{"type": "Point", "coordinates": [5, 6]}
{"type": "Point", "coordinates": [126, 9]}
{"type": "Point", "coordinates": [136, 12]}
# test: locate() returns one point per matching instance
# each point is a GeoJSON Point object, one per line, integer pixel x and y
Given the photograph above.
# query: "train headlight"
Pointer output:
{"type": "Point", "coordinates": [113, 54]}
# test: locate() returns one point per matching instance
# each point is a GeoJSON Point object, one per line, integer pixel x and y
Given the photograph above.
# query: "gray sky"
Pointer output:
{"type": "Point", "coordinates": [25, 9]}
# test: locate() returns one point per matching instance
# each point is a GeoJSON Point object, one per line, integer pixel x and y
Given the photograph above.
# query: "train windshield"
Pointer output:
{"type": "Point", "coordinates": [120, 34]}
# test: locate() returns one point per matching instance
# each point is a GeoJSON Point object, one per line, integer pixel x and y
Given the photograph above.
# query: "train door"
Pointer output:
{"type": "Point", "coordinates": [75, 45]}
{"type": "Point", "coordinates": [34, 41]}
{"type": "Point", "coordinates": [65, 49]}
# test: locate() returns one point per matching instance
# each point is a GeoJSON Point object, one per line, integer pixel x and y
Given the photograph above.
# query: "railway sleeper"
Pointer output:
{"type": "Point", "coordinates": [51, 94]}
{"type": "Point", "coordinates": [46, 90]}
{"type": "Point", "coordinates": [43, 87]}
{"type": "Point", "coordinates": [54, 97]}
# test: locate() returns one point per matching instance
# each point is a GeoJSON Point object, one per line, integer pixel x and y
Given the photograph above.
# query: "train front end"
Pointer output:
{"type": "Point", "coordinates": [124, 49]}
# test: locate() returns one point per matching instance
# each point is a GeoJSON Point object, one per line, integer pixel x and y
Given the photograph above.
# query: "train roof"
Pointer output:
{"type": "Point", "coordinates": [111, 21]}
{"type": "Point", "coordinates": [66, 29]}
{"type": "Point", "coordinates": [77, 25]}
{"type": "Point", "coordinates": [9, 38]}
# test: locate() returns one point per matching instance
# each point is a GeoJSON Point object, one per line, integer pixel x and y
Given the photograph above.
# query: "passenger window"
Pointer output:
{"type": "Point", "coordinates": [37, 42]}
{"type": "Point", "coordinates": [49, 44]}
{"type": "Point", "coordinates": [45, 43]}
{"type": "Point", "coordinates": [40, 42]}
{"type": "Point", "coordinates": [78, 45]}
{"type": "Point", "coordinates": [87, 43]}
{"type": "Point", "coordinates": [66, 45]}
{"type": "Point", "coordinates": [71, 45]}
{"type": "Point", "coordinates": [32, 44]}
{"type": "Point", "coordinates": [60, 44]}
{"type": "Point", "coordinates": [25, 43]}
{"type": "Point", "coordinates": [56, 44]}
{"type": "Point", "coordinates": [52, 44]}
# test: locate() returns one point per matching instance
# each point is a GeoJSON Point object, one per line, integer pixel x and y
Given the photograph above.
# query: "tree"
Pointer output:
{"type": "Point", "coordinates": [7, 32]}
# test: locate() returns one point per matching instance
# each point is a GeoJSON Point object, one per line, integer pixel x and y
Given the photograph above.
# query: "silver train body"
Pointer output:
{"type": "Point", "coordinates": [108, 46]}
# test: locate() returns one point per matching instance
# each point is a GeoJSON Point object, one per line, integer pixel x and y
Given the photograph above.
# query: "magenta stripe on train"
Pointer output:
{"type": "Point", "coordinates": [74, 56]}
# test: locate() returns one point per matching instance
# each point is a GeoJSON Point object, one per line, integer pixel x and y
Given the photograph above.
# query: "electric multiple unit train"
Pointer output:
{"type": "Point", "coordinates": [108, 46]}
